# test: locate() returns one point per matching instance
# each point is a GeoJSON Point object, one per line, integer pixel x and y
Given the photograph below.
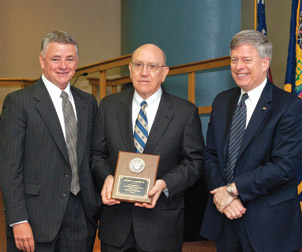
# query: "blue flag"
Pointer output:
{"type": "Point", "coordinates": [261, 17]}
{"type": "Point", "coordinates": [262, 26]}
{"type": "Point", "coordinates": [293, 79]}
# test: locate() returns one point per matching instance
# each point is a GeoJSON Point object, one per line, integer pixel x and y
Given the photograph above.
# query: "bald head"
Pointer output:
{"type": "Point", "coordinates": [148, 69]}
{"type": "Point", "coordinates": [151, 48]}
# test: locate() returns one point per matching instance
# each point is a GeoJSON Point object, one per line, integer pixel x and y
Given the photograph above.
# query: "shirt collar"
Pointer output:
{"type": "Point", "coordinates": [153, 98]}
{"type": "Point", "coordinates": [53, 90]}
{"type": "Point", "coordinates": [255, 94]}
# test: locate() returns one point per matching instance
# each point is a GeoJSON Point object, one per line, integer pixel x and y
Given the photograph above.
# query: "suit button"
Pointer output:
{"type": "Point", "coordinates": [63, 195]}
{"type": "Point", "coordinates": [66, 175]}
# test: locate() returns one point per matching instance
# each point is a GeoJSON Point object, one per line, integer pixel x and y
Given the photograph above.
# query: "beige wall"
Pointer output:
{"type": "Point", "coordinates": [278, 14]}
{"type": "Point", "coordinates": [95, 24]}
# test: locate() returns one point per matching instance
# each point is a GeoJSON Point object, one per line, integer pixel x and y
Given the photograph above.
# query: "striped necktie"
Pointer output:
{"type": "Point", "coordinates": [237, 132]}
{"type": "Point", "coordinates": [71, 141]}
{"type": "Point", "coordinates": [141, 129]}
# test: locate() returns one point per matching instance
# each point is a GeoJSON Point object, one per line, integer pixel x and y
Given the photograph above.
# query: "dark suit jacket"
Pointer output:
{"type": "Point", "coordinates": [265, 174]}
{"type": "Point", "coordinates": [34, 165]}
{"type": "Point", "coordinates": [175, 136]}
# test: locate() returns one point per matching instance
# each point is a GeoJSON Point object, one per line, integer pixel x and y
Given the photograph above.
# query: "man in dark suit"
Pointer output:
{"type": "Point", "coordinates": [51, 203]}
{"type": "Point", "coordinates": [174, 133]}
{"type": "Point", "coordinates": [254, 146]}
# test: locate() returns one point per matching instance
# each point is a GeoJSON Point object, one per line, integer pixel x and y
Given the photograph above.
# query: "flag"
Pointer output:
{"type": "Point", "coordinates": [262, 26]}
{"type": "Point", "coordinates": [261, 17]}
{"type": "Point", "coordinates": [293, 78]}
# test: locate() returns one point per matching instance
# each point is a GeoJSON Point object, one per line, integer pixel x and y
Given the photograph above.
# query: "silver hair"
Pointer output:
{"type": "Point", "coordinates": [255, 38]}
{"type": "Point", "coordinates": [61, 37]}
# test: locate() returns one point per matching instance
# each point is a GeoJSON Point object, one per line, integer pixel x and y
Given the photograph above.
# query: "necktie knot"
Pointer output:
{"type": "Point", "coordinates": [244, 97]}
{"type": "Point", "coordinates": [64, 95]}
{"type": "Point", "coordinates": [144, 104]}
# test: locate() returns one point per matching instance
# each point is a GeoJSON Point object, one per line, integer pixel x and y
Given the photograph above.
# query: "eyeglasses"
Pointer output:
{"type": "Point", "coordinates": [138, 66]}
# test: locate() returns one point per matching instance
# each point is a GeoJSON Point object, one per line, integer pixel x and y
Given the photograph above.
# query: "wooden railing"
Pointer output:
{"type": "Point", "coordinates": [16, 82]}
{"type": "Point", "coordinates": [99, 84]}
{"type": "Point", "coordinates": [102, 68]}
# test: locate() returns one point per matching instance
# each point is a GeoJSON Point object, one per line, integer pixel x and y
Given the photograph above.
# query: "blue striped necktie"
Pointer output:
{"type": "Point", "coordinates": [141, 129]}
{"type": "Point", "coordinates": [237, 132]}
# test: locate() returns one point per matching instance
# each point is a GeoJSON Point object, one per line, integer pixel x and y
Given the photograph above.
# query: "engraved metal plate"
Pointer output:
{"type": "Point", "coordinates": [133, 186]}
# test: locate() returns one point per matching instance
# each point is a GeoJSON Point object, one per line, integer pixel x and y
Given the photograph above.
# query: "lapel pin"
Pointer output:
{"type": "Point", "coordinates": [264, 108]}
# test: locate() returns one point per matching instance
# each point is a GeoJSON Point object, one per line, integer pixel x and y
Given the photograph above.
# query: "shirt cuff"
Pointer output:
{"type": "Point", "coordinates": [12, 225]}
{"type": "Point", "coordinates": [166, 192]}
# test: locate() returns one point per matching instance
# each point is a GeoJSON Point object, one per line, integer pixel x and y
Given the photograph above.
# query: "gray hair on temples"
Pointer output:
{"type": "Point", "coordinates": [255, 38]}
{"type": "Point", "coordinates": [60, 37]}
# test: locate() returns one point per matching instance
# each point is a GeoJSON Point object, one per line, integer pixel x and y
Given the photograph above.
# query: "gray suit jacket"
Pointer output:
{"type": "Point", "coordinates": [176, 136]}
{"type": "Point", "coordinates": [34, 165]}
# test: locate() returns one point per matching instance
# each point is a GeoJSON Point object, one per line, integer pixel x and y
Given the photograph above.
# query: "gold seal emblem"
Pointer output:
{"type": "Point", "coordinates": [137, 165]}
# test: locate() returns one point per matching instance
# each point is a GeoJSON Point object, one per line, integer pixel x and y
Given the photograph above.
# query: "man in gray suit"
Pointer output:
{"type": "Point", "coordinates": [45, 139]}
{"type": "Point", "coordinates": [174, 133]}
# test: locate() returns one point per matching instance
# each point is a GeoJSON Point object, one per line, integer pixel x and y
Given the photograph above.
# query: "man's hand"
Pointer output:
{"type": "Point", "coordinates": [24, 238]}
{"type": "Point", "coordinates": [235, 210]}
{"type": "Point", "coordinates": [107, 191]}
{"type": "Point", "coordinates": [155, 192]}
{"type": "Point", "coordinates": [221, 198]}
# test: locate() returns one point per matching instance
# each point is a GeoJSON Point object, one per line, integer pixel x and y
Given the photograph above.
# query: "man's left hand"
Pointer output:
{"type": "Point", "coordinates": [154, 193]}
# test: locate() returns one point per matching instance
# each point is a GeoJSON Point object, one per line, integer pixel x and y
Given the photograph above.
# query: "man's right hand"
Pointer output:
{"type": "Point", "coordinates": [235, 210]}
{"type": "Point", "coordinates": [107, 191]}
{"type": "Point", "coordinates": [24, 238]}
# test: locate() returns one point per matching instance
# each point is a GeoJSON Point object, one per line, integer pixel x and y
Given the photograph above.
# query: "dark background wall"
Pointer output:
{"type": "Point", "coordinates": [187, 31]}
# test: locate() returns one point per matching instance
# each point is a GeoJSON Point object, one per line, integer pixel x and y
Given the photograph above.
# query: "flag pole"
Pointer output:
{"type": "Point", "coordinates": [255, 15]}
{"type": "Point", "coordinates": [297, 22]}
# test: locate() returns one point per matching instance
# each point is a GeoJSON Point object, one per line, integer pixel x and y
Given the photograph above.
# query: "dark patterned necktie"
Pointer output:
{"type": "Point", "coordinates": [141, 129]}
{"type": "Point", "coordinates": [237, 132]}
{"type": "Point", "coordinates": [71, 132]}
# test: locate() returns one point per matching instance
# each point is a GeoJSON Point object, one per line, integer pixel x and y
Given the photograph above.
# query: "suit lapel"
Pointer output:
{"type": "Point", "coordinates": [48, 113]}
{"type": "Point", "coordinates": [262, 108]}
{"type": "Point", "coordinates": [124, 114]}
{"type": "Point", "coordinates": [163, 117]}
{"type": "Point", "coordinates": [82, 117]}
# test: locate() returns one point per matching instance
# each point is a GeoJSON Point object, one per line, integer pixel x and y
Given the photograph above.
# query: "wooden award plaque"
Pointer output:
{"type": "Point", "coordinates": [134, 177]}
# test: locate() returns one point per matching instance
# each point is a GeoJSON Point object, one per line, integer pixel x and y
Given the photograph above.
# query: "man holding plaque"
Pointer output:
{"type": "Point", "coordinates": [150, 121]}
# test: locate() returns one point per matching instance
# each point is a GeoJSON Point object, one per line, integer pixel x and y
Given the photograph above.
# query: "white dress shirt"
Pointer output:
{"type": "Point", "coordinates": [151, 109]}
{"type": "Point", "coordinates": [251, 102]}
{"type": "Point", "coordinates": [55, 93]}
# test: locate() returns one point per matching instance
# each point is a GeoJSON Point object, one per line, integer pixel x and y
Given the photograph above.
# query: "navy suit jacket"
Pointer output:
{"type": "Point", "coordinates": [265, 173]}
{"type": "Point", "coordinates": [175, 136]}
{"type": "Point", "coordinates": [35, 172]}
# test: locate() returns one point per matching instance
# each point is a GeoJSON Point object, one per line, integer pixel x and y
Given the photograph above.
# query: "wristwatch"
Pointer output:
{"type": "Point", "coordinates": [230, 190]}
